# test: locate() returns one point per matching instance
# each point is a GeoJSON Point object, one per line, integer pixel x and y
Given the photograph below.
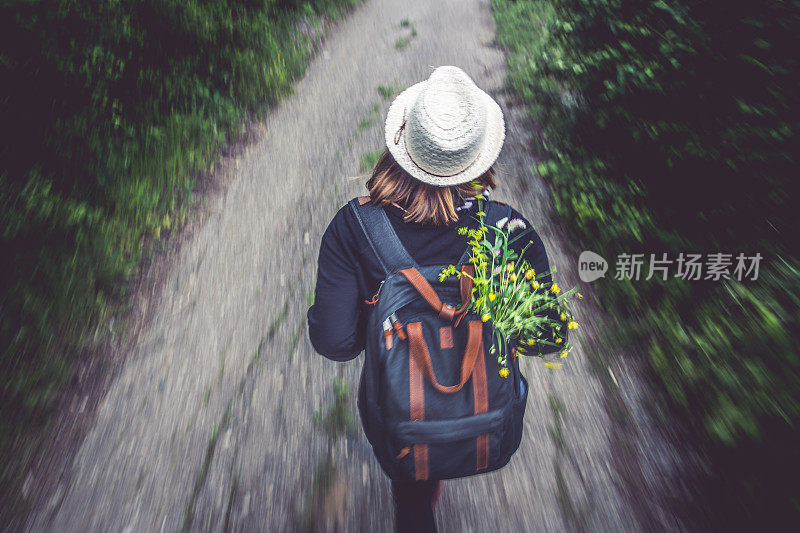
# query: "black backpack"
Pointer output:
{"type": "Point", "coordinates": [431, 400]}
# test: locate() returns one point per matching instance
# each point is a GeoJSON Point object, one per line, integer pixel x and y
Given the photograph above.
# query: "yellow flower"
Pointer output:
{"type": "Point", "coordinates": [531, 342]}
{"type": "Point", "coordinates": [563, 354]}
{"type": "Point", "coordinates": [513, 278]}
{"type": "Point", "coordinates": [486, 317]}
{"type": "Point", "coordinates": [554, 366]}
{"type": "Point", "coordinates": [563, 317]}
{"type": "Point", "coordinates": [534, 284]}
{"type": "Point", "coordinates": [492, 296]}
{"type": "Point", "coordinates": [559, 340]}
{"type": "Point", "coordinates": [572, 325]}
{"type": "Point", "coordinates": [529, 274]}
{"type": "Point", "coordinates": [503, 372]}
{"type": "Point", "coordinates": [447, 272]}
{"type": "Point", "coordinates": [510, 266]}
{"type": "Point", "coordinates": [555, 289]}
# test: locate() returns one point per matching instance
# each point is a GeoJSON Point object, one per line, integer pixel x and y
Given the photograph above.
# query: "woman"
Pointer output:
{"type": "Point", "coordinates": [443, 136]}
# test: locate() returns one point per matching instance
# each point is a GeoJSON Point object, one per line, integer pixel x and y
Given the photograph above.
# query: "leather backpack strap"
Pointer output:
{"type": "Point", "coordinates": [416, 385]}
{"type": "Point", "coordinates": [446, 312]}
{"type": "Point", "coordinates": [480, 391]}
{"type": "Point", "coordinates": [418, 350]}
{"type": "Point", "coordinates": [385, 244]}
{"type": "Point", "coordinates": [473, 365]}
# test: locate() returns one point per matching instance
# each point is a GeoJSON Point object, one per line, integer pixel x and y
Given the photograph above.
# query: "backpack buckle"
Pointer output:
{"type": "Point", "coordinates": [447, 312]}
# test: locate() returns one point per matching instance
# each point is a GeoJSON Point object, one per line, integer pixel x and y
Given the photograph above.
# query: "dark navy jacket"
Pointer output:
{"type": "Point", "coordinates": [349, 273]}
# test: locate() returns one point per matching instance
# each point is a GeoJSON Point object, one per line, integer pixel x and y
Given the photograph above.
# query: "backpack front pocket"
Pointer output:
{"type": "Point", "coordinates": [443, 431]}
{"type": "Point", "coordinates": [451, 448]}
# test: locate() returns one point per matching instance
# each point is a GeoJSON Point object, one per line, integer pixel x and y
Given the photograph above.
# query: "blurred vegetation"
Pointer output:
{"type": "Point", "coordinates": [109, 112]}
{"type": "Point", "coordinates": [368, 160]}
{"type": "Point", "coordinates": [670, 127]}
{"type": "Point", "coordinates": [337, 419]}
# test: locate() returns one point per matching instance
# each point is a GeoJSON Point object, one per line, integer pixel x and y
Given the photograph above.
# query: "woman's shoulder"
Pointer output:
{"type": "Point", "coordinates": [343, 225]}
{"type": "Point", "coordinates": [344, 229]}
{"type": "Point", "coordinates": [509, 211]}
{"type": "Point", "coordinates": [520, 222]}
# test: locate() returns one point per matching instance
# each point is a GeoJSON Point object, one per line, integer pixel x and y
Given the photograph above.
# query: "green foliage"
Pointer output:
{"type": "Point", "coordinates": [110, 111]}
{"type": "Point", "coordinates": [388, 92]}
{"type": "Point", "coordinates": [403, 42]}
{"type": "Point", "coordinates": [669, 127]}
{"type": "Point", "coordinates": [369, 160]}
{"type": "Point", "coordinates": [337, 419]}
{"type": "Point", "coordinates": [373, 118]}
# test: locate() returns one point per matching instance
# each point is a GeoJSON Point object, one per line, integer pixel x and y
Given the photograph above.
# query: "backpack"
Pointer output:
{"type": "Point", "coordinates": [431, 400]}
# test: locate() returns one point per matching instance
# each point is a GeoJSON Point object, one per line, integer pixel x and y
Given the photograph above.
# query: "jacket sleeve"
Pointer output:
{"type": "Point", "coordinates": [536, 255]}
{"type": "Point", "coordinates": [335, 320]}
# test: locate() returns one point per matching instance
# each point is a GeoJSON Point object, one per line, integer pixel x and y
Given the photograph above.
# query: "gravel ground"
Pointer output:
{"type": "Point", "coordinates": [210, 423]}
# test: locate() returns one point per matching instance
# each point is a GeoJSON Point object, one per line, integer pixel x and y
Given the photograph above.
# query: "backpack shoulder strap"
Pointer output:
{"type": "Point", "coordinates": [495, 211]}
{"type": "Point", "coordinates": [380, 234]}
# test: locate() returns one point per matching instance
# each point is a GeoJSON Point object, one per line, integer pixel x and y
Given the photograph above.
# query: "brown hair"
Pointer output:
{"type": "Point", "coordinates": [391, 184]}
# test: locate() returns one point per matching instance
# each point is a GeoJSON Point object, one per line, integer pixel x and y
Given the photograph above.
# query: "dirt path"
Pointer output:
{"type": "Point", "coordinates": [210, 424]}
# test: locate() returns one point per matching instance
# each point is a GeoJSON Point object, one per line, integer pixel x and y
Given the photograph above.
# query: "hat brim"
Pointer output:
{"type": "Point", "coordinates": [489, 151]}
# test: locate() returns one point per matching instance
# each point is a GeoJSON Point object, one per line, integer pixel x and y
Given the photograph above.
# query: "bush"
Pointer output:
{"type": "Point", "coordinates": [669, 127]}
{"type": "Point", "coordinates": [110, 109]}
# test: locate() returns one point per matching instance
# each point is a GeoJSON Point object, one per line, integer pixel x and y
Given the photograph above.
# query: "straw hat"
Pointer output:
{"type": "Point", "coordinates": [445, 130]}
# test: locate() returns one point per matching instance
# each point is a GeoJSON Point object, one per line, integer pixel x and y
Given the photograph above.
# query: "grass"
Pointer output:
{"type": "Point", "coordinates": [373, 118]}
{"type": "Point", "coordinates": [337, 419]}
{"type": "Point", "coordinates": [402, 43]}
{"type": "Point", "coordinates": [388, 92]}
{"type": "Point", "coordinates": [310, 297]}
{"type": "Point", "coordinates": [324, 475]}
{"type": "Point", "coordinates": [556, 432]}
{"type": "Point", "coordinates": [555, 405]}
{"type": "Point", "coordinates": [369, 160]}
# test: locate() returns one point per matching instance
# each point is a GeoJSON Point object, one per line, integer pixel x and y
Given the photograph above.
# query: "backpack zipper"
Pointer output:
{"type": "Point", "coordinates": [377, 296]}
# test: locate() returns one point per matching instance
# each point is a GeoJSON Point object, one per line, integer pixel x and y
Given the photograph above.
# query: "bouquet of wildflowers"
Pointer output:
{"type": "Point", "coordinates": [525, 311]}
